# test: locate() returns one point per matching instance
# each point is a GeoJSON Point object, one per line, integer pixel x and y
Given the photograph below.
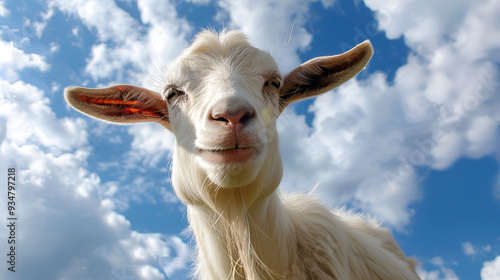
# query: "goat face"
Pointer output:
{"type": "Point", "coordinates": [223, 101]}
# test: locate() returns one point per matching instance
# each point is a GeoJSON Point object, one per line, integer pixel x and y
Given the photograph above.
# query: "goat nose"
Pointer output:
{"type": "Point", "coordinates": [242, 115]}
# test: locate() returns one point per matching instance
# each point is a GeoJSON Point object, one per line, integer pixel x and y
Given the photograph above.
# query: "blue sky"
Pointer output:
{"type": "Point", "coordinates": [413, 140]}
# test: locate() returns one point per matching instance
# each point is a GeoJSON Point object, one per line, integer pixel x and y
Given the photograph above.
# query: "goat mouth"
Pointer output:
{"type": "Point", "coordinates": [228, 155]}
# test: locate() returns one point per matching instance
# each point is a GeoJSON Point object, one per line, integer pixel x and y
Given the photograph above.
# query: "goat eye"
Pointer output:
{"type": "Point", "coordinates": [173, 93]}
{"type": "Point", "coordinates": [274, 83]}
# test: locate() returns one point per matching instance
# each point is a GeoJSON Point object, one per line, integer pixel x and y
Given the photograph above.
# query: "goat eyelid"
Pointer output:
{"type": "Point", "coordinates": [274, 82]}
{"type": "Point", "coordinates": [172, 91]}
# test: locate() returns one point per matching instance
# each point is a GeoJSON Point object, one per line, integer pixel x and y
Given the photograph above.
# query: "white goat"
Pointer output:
{"type": "Point", "coordinates": [221, 100]}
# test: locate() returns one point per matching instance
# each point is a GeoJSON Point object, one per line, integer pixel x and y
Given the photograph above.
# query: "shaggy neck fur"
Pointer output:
{"type": "Point", "coordinates": [246, 226]}
{"type": "Point", "coordinates": [254, 243]}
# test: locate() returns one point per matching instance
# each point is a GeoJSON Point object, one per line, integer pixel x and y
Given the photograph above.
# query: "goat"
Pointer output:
{"type": "Point", "coordinates": [221, 99]}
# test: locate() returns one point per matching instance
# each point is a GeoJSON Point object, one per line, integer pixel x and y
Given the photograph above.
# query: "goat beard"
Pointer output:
{"type": "Point", "coordinates": [233, 175]}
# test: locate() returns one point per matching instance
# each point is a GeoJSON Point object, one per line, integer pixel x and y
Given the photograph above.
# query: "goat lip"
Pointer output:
{"type": "Point", "coordinates": [231, 155]}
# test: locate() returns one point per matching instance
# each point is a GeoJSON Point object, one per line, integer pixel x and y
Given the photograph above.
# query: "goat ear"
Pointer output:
{"type": "Point", "coordinates": [119, 104]}
{"type": "Point", "coordinates": [322, 74]}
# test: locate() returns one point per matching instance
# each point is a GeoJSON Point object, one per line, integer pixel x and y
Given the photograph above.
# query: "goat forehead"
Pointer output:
{"type": "Point", "coordinates": [224, 44]}
{"type": "Point", "coordinates": [245, 62]}
{"type": "Point", "coordinates": [227, 51]}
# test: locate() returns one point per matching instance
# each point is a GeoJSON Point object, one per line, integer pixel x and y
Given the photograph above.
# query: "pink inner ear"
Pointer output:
{"type": "Point", "coordinates": [135, 111]}
{"type": "Point", "coordinates": [118, 102]}
{"type": "Point", "coordinates": [103, 101]}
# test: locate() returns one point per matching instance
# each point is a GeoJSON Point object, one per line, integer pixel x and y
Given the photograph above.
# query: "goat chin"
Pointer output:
{"type": "Point", "coordinates": [230, 156]}
{"type": "Point", "coordinates": [232, 174]}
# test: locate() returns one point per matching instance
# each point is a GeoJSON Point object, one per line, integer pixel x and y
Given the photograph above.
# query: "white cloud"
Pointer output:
{"type": "Point", "coordinates": [152, 143]}
{"type": "Point", "coordinates": [75, 31]}
{"type": "Point", "coordinates": [437, 261]}
{"type": "Point", "coordinates": [166, 37]}
{"type": "Point", "coordinates": [13, 60]}
{"type": "Point", "coordinates": [171, 264]}
{"type": "Point", "coordinates": [487, 248]}
{"type": "Point", "coordinates": [44, 17]}
{"type": "Point", "coordinates": [441, 273]}
{"type": "Point", "coordinates": [3, 11]}
{"type": "Point", "coordinates": [105, 17]}
{"type": "Point", "coordinates": [39, 124]}
{"type": "Point", "coordinates": [491, 269]}
{"type": "Point", "coordinates": [328, 3]}
{"type": "Point", "coordinates": [119, 35]}
{"type": "Point", "coordinates": [141, 169]}
{"type": "Point", "coordinates": [168, 195]}
{"type": "Point", "coordinates": [496, 188]}
{"type": "Point", "coordinates": [469, 249]}
{"type": "Point", "coordinates": [423, 22]}
{"type": "Point", "coordinates": [111, 62]}
{"type": "Point", "coordinates": [426, 275]}
{"type": "Point", "coordinates": [199, 2]}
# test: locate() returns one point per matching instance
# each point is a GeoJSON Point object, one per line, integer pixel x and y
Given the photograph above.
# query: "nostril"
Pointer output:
{"type": "Point", "coordinates": [220, 119]}
{"type": "Point", "coordinates": [246, 117]}
{"type": "Point", "coordinates": [237, 117]}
